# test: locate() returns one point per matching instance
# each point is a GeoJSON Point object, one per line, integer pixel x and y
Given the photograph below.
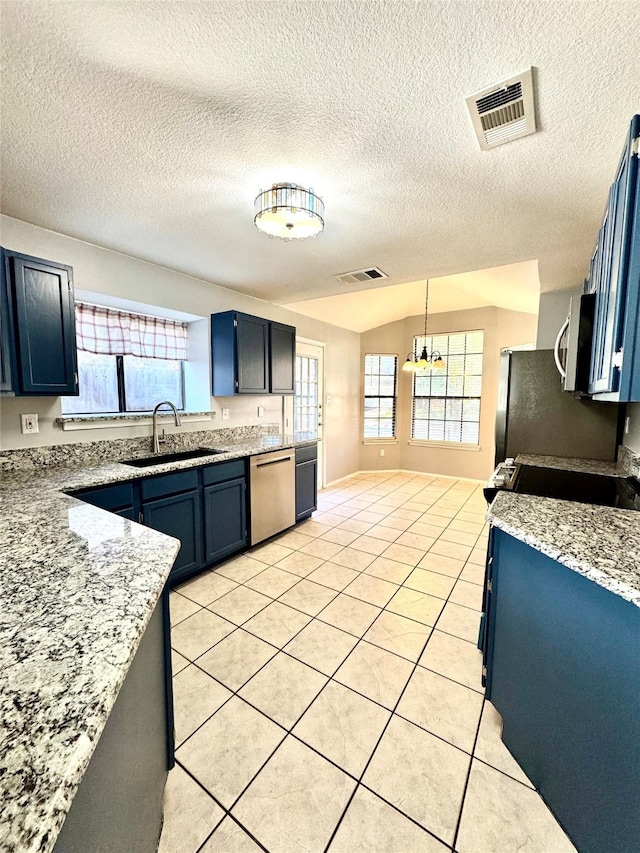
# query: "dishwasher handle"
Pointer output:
{"type": "Point", "coordinates": [273, 461]}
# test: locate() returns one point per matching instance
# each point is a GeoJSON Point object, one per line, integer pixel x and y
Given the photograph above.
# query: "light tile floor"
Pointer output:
{"type": "Point", "coordinates": [328, 694]}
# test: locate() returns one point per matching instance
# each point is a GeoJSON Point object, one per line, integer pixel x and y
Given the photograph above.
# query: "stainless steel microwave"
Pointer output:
{"type": "Point", "coordinates": [572, 351]}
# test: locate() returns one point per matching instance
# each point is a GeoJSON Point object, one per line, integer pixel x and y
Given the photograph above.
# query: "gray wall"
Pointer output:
{"type": "Point", "coordinates": [105, 272]}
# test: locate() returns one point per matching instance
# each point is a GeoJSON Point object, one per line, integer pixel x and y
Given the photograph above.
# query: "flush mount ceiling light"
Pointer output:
{"type": "Point", "coordinates": [289, 212]}
{"type": "Point", "coordinates": [426, 360]}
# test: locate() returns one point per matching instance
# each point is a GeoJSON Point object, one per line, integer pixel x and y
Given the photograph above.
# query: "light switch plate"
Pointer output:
{"type": "Point", "coordinates": [29, 424]}
{"type": "Point", "coordinates": [260, 411]}
{"type": "Point", "coordinates": [225, 414]}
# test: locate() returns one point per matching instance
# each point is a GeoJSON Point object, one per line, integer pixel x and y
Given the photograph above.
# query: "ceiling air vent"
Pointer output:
{"type": "Point", "coordinates": [503, 112]}
{"type": "Point", "coordinates": [361, 275]}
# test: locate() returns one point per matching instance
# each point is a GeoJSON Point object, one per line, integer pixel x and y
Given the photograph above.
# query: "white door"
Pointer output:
{"type": "Point", "coordinates": [309, 396]}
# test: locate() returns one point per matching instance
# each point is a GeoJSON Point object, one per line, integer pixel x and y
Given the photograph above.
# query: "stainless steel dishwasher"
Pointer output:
{"type": "Point", "coordinates": [272, 486]}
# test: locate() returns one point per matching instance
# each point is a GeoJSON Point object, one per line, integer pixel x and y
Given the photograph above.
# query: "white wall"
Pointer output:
{"type": "Point", "coordinates": [102, 271]}
{"type": "Point", "coordinates": [632, 438]}
{"type": "Point", "coordinates": [501, 329]}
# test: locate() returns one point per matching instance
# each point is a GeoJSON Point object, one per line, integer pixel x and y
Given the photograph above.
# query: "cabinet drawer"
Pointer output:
{"type": "Point", "coordinates": [223, 471]}
{"type": "Point", "coordinates": [169, 484]}
{"type": "Point", "coordinates": [108, 497]}
{"type": "Point", "coordinates": [306, 454]}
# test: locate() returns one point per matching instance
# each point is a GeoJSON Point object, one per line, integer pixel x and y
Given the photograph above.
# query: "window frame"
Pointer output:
{"type": "Point", "coordinates": [381, 439]}
{"type": "Point", "coordinates": [122, 393]}
{"type": "Point", "coordinates": [420, 341]}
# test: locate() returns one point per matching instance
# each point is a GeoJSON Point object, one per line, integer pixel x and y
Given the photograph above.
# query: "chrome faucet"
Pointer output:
{"type": "Point", "coordinates": [157, 441]}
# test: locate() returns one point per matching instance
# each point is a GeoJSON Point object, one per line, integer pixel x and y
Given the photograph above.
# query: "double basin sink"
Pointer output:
{"type": "Point", "coordinates": [163, 458]}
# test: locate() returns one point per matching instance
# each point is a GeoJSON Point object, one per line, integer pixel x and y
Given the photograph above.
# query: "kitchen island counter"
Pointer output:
{"type": "Point", "coordinates": [79, 586]}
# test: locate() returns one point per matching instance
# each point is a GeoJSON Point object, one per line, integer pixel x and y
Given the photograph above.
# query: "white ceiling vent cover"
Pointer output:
{"type": "Point", "coordinates": [503, 112]}
{"type": "Point", "coordinates": [358, 276]}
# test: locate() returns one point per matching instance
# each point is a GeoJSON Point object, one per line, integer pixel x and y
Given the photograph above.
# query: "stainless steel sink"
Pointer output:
{"type": "Point", "coordinates": [163, 458]}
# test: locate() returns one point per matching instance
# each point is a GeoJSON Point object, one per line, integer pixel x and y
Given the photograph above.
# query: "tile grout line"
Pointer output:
{"type": "Point", "coordinates": [359, 639]}
{"type": "Point", "coordinates": [394, 712]}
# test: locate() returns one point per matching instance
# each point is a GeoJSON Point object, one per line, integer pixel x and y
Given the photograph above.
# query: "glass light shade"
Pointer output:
{"type": "Point", "coordinates": [423, 363]}
{"type": "Point", "coordinates": [438, 362]}
{"type": "Point", "coordinates": [409, 364]}
{"type": "Point", "coordinates": [289, 212]}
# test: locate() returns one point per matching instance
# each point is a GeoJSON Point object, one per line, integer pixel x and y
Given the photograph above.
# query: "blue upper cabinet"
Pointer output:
{"type": "Point", "coordinates": [615, 279]}
{"type": "Point", "coordinates": [251, 355]}
{"type": "Point", "coordinates": [282, 358]}
{"type": "Point", "coordinates": [38, 339]}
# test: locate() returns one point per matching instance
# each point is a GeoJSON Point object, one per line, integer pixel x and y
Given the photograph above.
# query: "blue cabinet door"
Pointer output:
{"type": "Point", "coordinates": [225, 519]}
{"type": "Point", "coordinates": [306, 488]}
{"type": "Point", "coordinates": [252, 354]}
{"type": "Point", "coordinates": [40, 295]}
{"type": "Point", "coordinates": [6, 327]}
{"type": "Point", "coordinates": [282, 358]}
{"type": "Point", "coordinates": [179, 516]}
{"type": "Point", "coordinates": [564, 672]}
{"type": "Point", "coordinates": [615, 277]}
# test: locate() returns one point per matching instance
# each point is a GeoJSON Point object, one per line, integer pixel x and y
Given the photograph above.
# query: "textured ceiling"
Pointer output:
{"type": "Point", "coordinates": [514, 286]}
{"type": "Point", "coordinates": [149, 127]}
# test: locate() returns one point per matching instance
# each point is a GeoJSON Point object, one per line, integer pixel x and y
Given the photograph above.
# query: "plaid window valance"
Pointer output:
{"type": "Point", "coordinates": [107, 331]}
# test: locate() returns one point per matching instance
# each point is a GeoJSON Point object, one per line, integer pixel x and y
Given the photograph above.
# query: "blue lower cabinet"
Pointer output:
{"type": "Point", "coordinates": [225, 519]}
{"type": "Point", "coordinates": [179, 516]}
{"type": "Point", "coordinates": [119, 498]}
{"type": "Point", "coordinates": [563, 660]}
{"type": "Point", "coordinates": [306, 481]}
{"type": "Point", "coordinates": [205, 508]}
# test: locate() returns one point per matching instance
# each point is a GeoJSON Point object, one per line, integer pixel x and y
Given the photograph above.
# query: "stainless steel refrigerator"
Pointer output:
{"type": "Point", "coordinates": [536, 416]}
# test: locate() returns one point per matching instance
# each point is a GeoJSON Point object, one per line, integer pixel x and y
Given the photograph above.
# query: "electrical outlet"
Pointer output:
{"type": "Point", "coordinates": [381, 452]}
{"type": "Point", "coordinates": [260, 411]}
{"type": "Point", "coordinates": [225, 414]}
{"type": "Point", "coordinates": [29, 424]}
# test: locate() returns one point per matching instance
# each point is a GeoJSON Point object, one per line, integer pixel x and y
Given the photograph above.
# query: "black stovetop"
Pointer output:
{"type": "Point", "coordinates": [620, 492]}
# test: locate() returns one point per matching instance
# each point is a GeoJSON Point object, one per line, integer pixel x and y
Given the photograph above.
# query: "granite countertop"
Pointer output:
{"type": "Point", "coordinates": [79, 585]}
{"type": "Point", "coordinates": [601, 543]}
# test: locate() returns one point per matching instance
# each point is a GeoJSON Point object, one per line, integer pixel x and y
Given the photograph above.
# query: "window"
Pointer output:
{"type": "Point", "coordinates": [446, 403]}
{"type": "Point", "coordinates": [306, 397]}
{"type": "Point", "coordinates": [126, 362]}
{"type": "Point", "coordinates": [380, 372]}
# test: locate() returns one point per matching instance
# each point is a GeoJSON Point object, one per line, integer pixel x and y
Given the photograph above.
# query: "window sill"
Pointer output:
{"type": "Point", "coordinates": [77, 422]}
{"type": "Point", "coordinates": [379, 440]}
{"type": "Point", "coordinates": [446, 445]}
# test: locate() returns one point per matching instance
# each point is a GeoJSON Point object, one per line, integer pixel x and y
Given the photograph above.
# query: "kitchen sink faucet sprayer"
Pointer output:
{"type": "Point", "coordinates": [157, 441]}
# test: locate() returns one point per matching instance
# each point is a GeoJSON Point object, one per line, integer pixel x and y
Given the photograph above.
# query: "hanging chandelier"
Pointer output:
{"type": "Point", "coordinates": [289, 212]}
{"type": "Point", "coordinates": [426, 360]}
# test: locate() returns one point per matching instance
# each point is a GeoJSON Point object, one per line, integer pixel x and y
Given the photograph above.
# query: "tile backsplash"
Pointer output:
{"type": "Point", "coordinates": [115, 450]}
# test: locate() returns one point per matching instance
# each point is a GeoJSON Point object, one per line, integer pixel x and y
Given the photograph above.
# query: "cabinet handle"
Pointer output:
{"type": "Point", "coordinates": [556, 349]}
{"type": "Point", "coordinates": [140, 518]}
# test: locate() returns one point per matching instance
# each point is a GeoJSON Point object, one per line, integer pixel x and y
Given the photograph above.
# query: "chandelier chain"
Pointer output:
{"type": "Point", "coordinates": [426, 306]}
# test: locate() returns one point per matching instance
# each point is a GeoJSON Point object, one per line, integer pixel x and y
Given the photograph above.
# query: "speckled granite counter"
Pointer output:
{"type": "Point", "coordinates": [79, 586]}
{"type": "Point", "coordinates": [598, 542]}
